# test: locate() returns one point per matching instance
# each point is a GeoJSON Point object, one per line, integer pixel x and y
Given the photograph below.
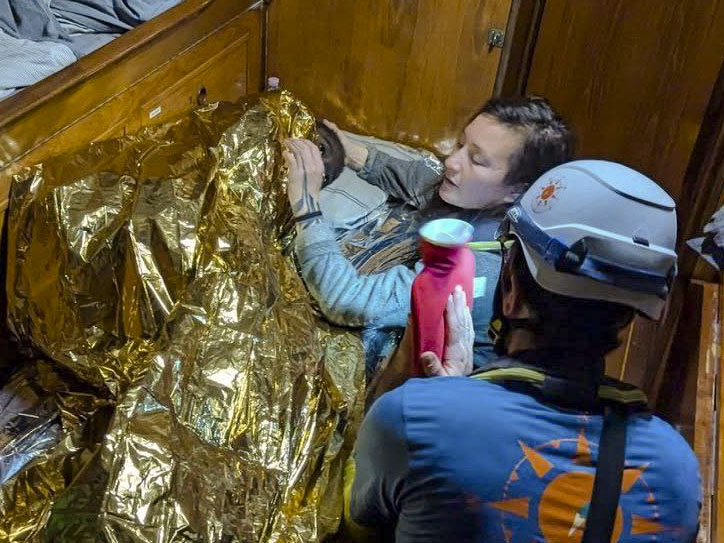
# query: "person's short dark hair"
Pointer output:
{"type": "Point", "coordinates": [548, 142]}
{"type": "Point", "coordinates": [332, 153]}
{"type": "Point", "coordinates": [571, 323]}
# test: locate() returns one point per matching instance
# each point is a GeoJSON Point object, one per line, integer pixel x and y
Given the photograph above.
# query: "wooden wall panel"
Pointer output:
{"type": "Point", "coordinates": [634, 78]}
{"type": "Point", "coordinates": [412, 71]}
{"type": "Point", "coordinates": [706, 423]}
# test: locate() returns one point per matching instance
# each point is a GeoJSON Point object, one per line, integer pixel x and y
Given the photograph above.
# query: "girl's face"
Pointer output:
{"type": "Point", "coordinates": [475, 172]}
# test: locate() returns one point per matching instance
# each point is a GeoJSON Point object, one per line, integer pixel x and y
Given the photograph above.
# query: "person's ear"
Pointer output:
{"type": "Point", "coordinates": [515, 305]}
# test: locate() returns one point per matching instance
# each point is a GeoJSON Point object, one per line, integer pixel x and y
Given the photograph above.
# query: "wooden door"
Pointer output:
{"type": "Point", "coordinates": [411, 71]}
{"type": "Point", "coordinates": [634, 77]}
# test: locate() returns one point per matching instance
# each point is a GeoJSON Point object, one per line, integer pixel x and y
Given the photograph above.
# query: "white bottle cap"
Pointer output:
{"type": "Point", "coordinates": [272, 83]}
{"type": "Point", "coordinates": [447, 232]}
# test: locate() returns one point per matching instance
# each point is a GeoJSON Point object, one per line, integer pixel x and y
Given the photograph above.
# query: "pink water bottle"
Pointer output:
{"type": "Point", "coordinates": [448, 262]}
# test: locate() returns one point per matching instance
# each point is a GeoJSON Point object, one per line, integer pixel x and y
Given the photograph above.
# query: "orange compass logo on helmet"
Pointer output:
{"type": "Point", "coordinates": [547, 195]}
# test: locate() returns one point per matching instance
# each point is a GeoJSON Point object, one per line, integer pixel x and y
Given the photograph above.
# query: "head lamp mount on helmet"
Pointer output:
{"type": "Point", "coordinates": [575, 259]}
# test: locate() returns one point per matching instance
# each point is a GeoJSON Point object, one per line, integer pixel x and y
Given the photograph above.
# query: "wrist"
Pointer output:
{"type": "Point", "coordinates": [305, 222]}
{"type": "Point", "coordinates": [306, 206]}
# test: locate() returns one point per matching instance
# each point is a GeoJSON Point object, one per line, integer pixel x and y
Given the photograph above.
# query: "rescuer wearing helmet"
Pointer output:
{"type": "Point", "coordinates": [541, 446]}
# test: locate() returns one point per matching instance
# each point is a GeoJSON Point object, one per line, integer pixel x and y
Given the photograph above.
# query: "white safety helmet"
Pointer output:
{"type": "Point", "coordinates": [598, 230]}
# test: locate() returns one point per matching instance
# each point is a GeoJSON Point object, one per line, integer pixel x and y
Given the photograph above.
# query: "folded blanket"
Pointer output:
{"type": "Point", "coordinates": [84, 43]}
{"type": "Point", "coordinates": [30, 20]}
{"type": "Point", "coordinates": [24, 62]}
{"type": "Point", "coordinates": [40, 37]}
{"type": "Point", "coordinates": [108, 16]}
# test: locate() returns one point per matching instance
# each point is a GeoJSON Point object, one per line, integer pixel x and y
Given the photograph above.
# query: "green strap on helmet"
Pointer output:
{"type": "Point", "coordinates": [488, 246]}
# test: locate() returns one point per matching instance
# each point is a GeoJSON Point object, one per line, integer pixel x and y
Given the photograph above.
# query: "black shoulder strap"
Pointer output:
{"type": "Point", "coordinates": [609, 474]}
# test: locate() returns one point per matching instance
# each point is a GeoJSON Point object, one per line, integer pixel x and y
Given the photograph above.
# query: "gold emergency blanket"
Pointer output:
{"type": "Point", "coordinates": [156, 268]}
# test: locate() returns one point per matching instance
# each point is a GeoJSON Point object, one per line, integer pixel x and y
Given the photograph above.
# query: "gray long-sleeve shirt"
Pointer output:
{"type": "Point", "coordinates": [382, 300]}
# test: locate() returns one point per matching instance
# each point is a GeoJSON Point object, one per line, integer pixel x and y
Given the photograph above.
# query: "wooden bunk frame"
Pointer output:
{"type": "Point", "coordinates": [199, 51]}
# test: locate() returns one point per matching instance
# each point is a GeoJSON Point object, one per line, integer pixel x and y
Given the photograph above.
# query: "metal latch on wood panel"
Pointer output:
{"type": "Point", "coordinates": [496, 37]}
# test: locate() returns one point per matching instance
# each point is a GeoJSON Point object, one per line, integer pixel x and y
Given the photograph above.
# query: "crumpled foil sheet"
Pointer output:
{"type": "Point", "coordinates": [51, 426]}
{"type": "Point", "coordinates": [156, 268]}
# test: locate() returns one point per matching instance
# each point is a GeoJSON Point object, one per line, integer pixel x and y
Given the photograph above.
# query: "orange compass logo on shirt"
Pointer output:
{"type": "Point", "coordinates": [547, 195]}
{"type": "Point", "coordinates": [558, 512]}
